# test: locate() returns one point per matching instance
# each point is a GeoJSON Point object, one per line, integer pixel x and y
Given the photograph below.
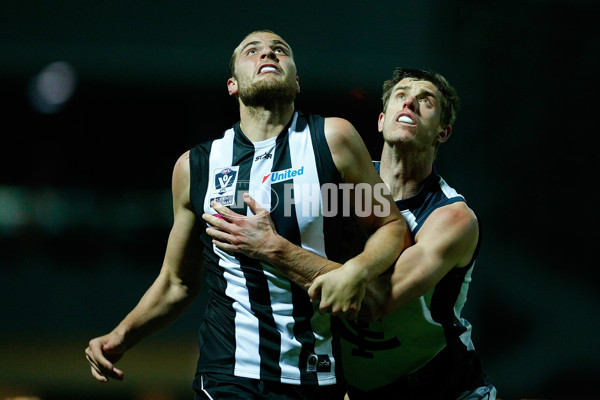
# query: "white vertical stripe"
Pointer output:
{"type": "Point", "coordinates": [280, 289]}
{"type": "Point", "coordinates": [246, 351]}
{"type": "Point", "coordinates": [220, 157]}
{"type": "Point", "coordinates": [262, 164]}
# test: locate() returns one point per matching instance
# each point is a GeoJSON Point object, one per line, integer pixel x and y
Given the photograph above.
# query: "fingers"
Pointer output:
{"type": "Point", "coordinates": [350, 312]}
{"type": "Point", "coordinates": [219, 229]}
{"type": "Point", "coordinates": [223, 211]}
{"type": "Point", "coordinates": [254, 206]}
{"type": "Point", "coordinates": [314, 291]}
{"type": "Point", "coordinates": [220, 218]}
{"type": "Point", "coordinates": [101, 368]}
{"type": "Point", "coordinates": [340, 307]}
{"type": "Point", "coordinates": [219, 234]}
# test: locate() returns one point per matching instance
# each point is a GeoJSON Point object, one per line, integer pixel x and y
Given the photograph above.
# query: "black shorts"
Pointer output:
{"type": "Point", "coordinates": [215, 386]}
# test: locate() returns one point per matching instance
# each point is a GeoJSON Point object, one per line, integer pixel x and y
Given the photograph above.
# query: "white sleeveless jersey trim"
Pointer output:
{"type": "Point", "coordinates": [465, 337]}
{"type": "Point", "coordinates": [410, 219]}
{"type": "Point", "coordinates": [449, 191]}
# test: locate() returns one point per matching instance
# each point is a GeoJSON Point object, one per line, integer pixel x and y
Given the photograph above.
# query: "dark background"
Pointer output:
{"type": "Point", "coordinates": [85, 183]}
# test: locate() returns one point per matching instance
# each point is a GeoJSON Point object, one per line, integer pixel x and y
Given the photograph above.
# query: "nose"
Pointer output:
{"type": "Point", "coordinates": [410, 102]}
{"type": "Point", "coordinates": [268, 53]}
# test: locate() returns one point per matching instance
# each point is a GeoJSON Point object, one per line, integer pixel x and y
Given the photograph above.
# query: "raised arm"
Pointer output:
{"type": "Point", "coordinates": [447, 240]}
{"type": "Point", "coordinates": [171, 293]}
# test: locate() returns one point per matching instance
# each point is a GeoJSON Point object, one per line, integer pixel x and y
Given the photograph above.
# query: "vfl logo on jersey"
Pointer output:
{"type": "Point", "coordinates": [366, 341]}
{"type": "Point", "coordinates": [225, 180]}
{"type": "Point", "coordinates": [285, 175]}
{"type": "Point", "coordinates": [318, 363]}
{"type": "Point", "coordinates": [265, 156]}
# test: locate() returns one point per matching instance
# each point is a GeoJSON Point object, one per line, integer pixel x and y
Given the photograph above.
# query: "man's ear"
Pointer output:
{"type": "Point", "coordinates": [297, 84]}
{"type": "Point", "coordinates": [380, 122]}
{"type": "Point", "coordinates": [444, 134]}
{"type": "Point", "coordinates": [232, 87]}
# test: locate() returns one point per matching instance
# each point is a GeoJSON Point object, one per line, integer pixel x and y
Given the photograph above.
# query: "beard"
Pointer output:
{"type": "Point", "coordinates": [268, 93]}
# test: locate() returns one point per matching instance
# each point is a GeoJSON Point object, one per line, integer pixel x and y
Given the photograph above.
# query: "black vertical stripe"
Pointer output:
{"type": "Point", "coordinates": [256, 281]}
{"type": "Point", "coordinates": [287, 226]}
{"type": "Point", "coordinates": [243, 156]}
{"type": "Point", "coordinates": [337, 226]}
{"type": "Point", "coordinates": [332, 226]}
{"type": "Point", "coordinates": [303, 311]}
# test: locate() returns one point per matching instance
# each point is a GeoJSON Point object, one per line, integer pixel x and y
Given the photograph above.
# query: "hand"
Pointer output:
{"type": "Point", "coordinates": [341, 292]}
{"type": "Point", "coordinates": [102, 353]}
{"type": "Point", "coordinates": [375, 302]}
{"type": "Point", "coordinates": [249, 235]}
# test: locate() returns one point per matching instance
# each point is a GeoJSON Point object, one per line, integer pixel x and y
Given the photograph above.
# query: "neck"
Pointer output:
{"type": "Point", "coordinates": [260, 123]}
{"type": "Point", "coordinates": [404, 171]}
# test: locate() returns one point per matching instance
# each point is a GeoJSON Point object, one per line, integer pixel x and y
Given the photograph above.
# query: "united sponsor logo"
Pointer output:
{"type": "Point", "coordinates": [285, 175]}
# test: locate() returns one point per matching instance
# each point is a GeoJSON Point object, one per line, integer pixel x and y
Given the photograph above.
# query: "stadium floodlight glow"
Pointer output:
{"type": "Point", "coordinates": [52, 87]}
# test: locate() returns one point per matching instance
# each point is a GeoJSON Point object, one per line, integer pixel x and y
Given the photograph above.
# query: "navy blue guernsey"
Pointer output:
{"type": "Point", "coordinates": [258, 324]}
{"type": "Point", "coordinates": [379, 353]}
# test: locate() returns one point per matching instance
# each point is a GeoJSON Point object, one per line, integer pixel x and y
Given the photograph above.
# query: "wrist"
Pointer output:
{"type": "Point", "coordinates": [356, 270]}
{"type": "Point", "coordinates": [275, 249]}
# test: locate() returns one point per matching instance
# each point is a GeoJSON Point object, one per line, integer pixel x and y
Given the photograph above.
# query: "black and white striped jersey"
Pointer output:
{"type": "Point", "coordinates": [379, 353]}
{"type": "Point", "coordinates": [258, 324]}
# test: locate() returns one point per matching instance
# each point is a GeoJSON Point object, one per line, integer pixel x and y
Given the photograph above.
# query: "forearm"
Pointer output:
{"type": "Point", "coordinates": [162, 303]}
{"type": "Point", "coordinates": [298, 264]}
{"type": "Point", "coordinates": [380, 252]}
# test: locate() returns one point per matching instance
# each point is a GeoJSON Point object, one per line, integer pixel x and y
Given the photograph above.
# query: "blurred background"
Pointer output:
{"type": "Point", "coordinates": [99, 99]}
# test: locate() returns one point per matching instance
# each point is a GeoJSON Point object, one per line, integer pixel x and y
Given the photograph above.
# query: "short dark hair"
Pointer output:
{"type": "Point", "coordinates": [451, 102]}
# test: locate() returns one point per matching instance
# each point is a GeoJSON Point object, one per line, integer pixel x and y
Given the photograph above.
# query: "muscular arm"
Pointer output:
{"type": "Point", "coordinates": [342, 289]}
{"type": "Point", "coordinates": [389, 234]}
{"type": "Point", "coordinates": [171, 293]}
{"type": "Point", "coordinates": [446, 240]}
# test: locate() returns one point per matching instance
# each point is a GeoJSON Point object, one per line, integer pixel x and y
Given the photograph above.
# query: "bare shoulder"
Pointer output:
{"type": "Point", "coordinates": [181, 177]}
{"type": "Point", "coordinates": [338, 130]}
{"type": "Point", "coordinates": [182, 165]}
{"type": "Point", "coordinates": [453, 230]}
{"type": "Point", "coordinates": [348, 150]}
{"type": "Point", "coordinates": [458, 214]}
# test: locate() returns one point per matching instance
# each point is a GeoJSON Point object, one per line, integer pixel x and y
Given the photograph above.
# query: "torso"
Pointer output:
{"type": "Point", "coordinates": [378, 353]}
{"type": "Point", "coordinates": [259, 324]}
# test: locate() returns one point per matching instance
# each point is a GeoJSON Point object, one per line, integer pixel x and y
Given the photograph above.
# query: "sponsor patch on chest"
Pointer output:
{"type": "Point", "coordinates": [224, 185]}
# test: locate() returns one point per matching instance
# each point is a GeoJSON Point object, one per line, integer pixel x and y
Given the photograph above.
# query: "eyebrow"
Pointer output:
{"type": "Point", "coordinates": [271, 42]}
{"type": "Point", "coordinates": [426, 91]}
